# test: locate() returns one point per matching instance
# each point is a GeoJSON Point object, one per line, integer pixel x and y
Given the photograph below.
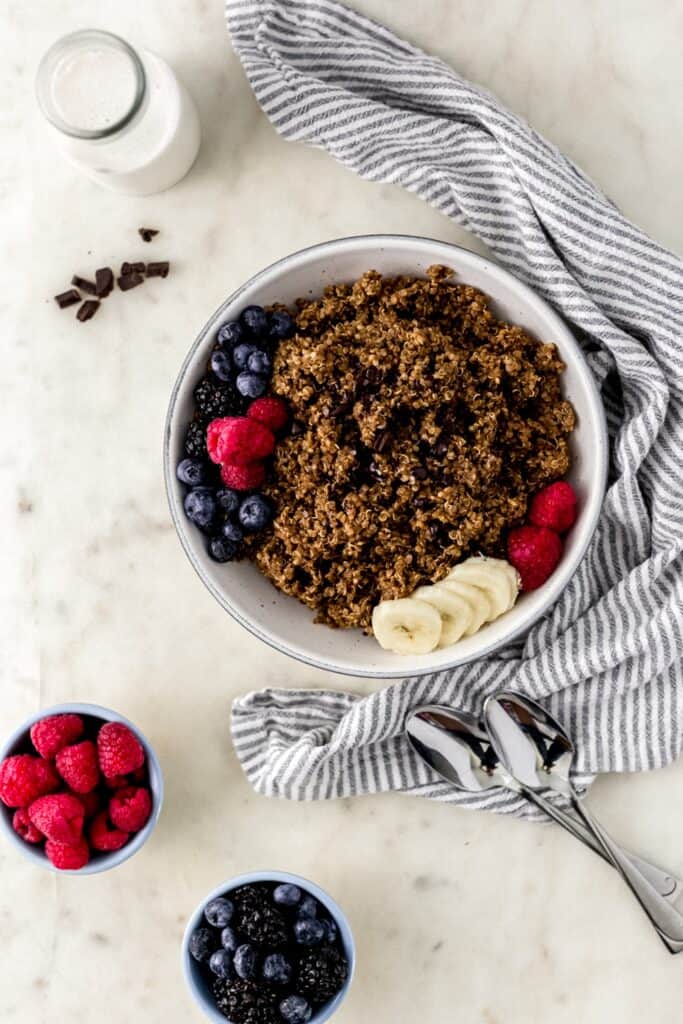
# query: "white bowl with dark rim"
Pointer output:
{"type": "Point", "coordinates": [282, 621]}
{"type": "Point", "coordinates": [19, 742]}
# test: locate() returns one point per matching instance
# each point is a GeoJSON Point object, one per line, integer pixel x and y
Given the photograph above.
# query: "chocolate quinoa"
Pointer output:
{"type": "Point", "coordinates": [423, 424]}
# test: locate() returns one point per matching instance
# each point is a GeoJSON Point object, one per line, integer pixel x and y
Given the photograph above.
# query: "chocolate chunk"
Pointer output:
{"type": "Point", "coordinates": [382, 441]}
{"type": "Point", "coordinates": [147, 234]}
{"type": "Point", "coordinates": [296, 428]}
{"type": "Point", "coordinates": [104, 282]}
{"type": "Point", "coordinates": [128, 281]}
{"type": "Point", "coordinates": [442, 449]}
{"type": "Point", "coordinates": [420, 473]}
{"type": "Point", "coordinates": [132, 268]}
{"type": "Point", "coordinates": [87, 310]}
{"type": "Point", "coordinates": [69, 298]}
{"type": "Point", "coordinates": [159, 269]}
{"type": "Point", "coordinates": [89, 287]}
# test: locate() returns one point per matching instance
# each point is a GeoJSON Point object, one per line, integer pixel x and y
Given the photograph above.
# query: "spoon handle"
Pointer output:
{"type": "Point", "coordinates": [664, 916]}
{"type": "Point", "coordinates": [663, 882]}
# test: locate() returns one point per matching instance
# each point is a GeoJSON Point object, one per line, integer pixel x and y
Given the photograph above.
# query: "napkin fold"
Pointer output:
{"type": "Point", "coordinates": [607, 658]}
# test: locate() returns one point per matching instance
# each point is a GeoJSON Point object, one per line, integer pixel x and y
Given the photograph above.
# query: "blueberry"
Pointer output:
{"type": "Point", "coordinates": [221, 963]}
{"type": "Point", "coordinates": [287, 895]}
{"type": "Point", "coordinates": [191, 472]}
{"type": "Point", "coordinates": [228, 500]}
{"type": "Point", "coordinates": [308, 931]}
{"type": "Point", "coordinates": [245, 961]}
{"type": "Point", "coordinates": [240, 355]}
{"type": "Point", "coordinates": [233, 532]}
{"type": "Point", "coordinates": [221, 365]}
{"type": "Point", "coordinates": [255, 320]}
{"type": "Point", "coordinates": [201, 944]}
{"type": "Point", "coordinates": [230, 334]}
{"type": "Point", "coordinates": [250, 385]}
{"type": "Point", "coordinates": [219, 912]}
{"type": "Point", "coordinates": [281, 326]}
{"type": "Point", "coordinates": [277, 969]}
{"type": "Point", "coordinates": [330, 930]}
{"type": "Point", "coordinates": [255, 512]}
{"type": "Point", "coordinates": [295, 1010]}
{"type": "Point", "coordinates": [229, 939]}
{"type": "Point", "coordinates": [308, 908]}
{"type": "Point", "coordinates": [200, 507]}
{"type": "Point", "coordinates": [259, 362]}
{"type": "Point", "coordinates": [221, 549]}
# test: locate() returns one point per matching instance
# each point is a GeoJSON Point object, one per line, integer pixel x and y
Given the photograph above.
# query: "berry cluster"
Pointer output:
{"type": "Point", "coordinates": [83, 791]}
{"type": "Point", "coordinates": [230, 437]}
{"type": "Point", "coordinates": [271, 953]}
{"type": "Point", "coordinates": [536, 548]}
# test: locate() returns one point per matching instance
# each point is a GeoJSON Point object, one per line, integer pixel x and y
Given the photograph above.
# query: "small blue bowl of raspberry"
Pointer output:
{"type": "Point", "coordinates": [268, 946]}
{"type": "Point", "coordinates": [81, 788]}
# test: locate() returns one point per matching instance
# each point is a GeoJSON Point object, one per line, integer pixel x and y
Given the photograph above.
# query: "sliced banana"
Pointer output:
{"type": "Point", "coordinates": [406, 626]}
{"type": "Point", "coordinates": [476, 598]}
{"type": "Point", "coordinates": [455, 611]}
{"type": "Point", "coordinates": [490, 576]}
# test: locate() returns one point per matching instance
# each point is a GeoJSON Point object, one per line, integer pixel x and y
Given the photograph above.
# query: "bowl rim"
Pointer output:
{"type": "Point", "coordinates": [202, 998]}
{"type": "Point", "coordinates": [104, 861]}
{"type": "Point", "coordinates": [593, 507]}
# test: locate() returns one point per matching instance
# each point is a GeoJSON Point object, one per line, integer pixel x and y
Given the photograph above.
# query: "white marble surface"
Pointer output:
{"type": "Point", "coordinates": [457, 916]}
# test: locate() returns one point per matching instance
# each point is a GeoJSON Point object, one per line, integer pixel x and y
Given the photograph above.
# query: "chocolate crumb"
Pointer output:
{"type": "Point", "coordinates": [89, 287]}
{"type": "Point", "coordinates": [159, 269]}
{"type": "Point", "coordinates": [420, 473]}
{"type": "Point", "coordinates": [296, 428]}
{"type": "Point", "coordinates": [132, 268]}
{"type": "Point", "coordinates": [147, 234]}
{"type": "Point", "coordinates": [68, 298]}
{"type": "Point", "coordinates": [87, 310]}
{"type": "Point", "coordinates": [104, 282]}
{"type": "Point", "coordinates": [128, 281]}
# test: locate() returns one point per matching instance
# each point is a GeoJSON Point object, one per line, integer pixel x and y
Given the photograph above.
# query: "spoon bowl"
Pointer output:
{"type": "Point", "coordinates": [455, 745]}
{"type": "Point", "coordinates": [538, 752]}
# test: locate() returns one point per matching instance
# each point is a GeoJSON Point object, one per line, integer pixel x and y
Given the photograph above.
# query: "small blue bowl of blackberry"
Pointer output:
{"type": "Point", "coordinates": [268, 947]}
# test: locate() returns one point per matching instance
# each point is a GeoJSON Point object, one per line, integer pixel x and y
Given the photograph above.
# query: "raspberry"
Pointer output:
{"type": "Point", "coordinates": [23, 778]}
{"type": "Point", "coordinates": [91, 801]}
{"type": "Point", "coordinates": [534, 551]}
{"type": "Point", "coordinates": [51, 734]}
{"type": "Point", "coordinates": [59, 817]}
{"type": "Point", "coordinates": [23, 826]}
{"type": "Point", "coordinates": [118, 749]}
{"type": "Point", "coordinates": [130, 808]}
{"type": "Point", "coordinates": [117, 782]}
{"type": "Point", "coordinates": [67, 858]}
{"type": "Point", "coordinates": [554, 507]}
{"type": "Point", "coordinates": [104, 838]}
{"type": "Point", "coordinates": [78, 766]}
{"type": "Point", "coordinates": [243, 478]}
{"type": "Point", "coordinates": [238, 440]}
{"type": "Point", "coordinates": [272, 412]}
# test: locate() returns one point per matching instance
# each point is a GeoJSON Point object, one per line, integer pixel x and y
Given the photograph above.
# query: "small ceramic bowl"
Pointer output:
{"type": "Point", "coordinates": [194, 977]}
{"type": "Point", "coordinates": [19, 742]}
{"type": "Point", "coordinates": [282, 621]}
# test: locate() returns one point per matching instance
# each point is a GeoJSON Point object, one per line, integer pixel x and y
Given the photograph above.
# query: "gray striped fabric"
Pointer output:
{"type": "Point", "coordinates": [608, 656]}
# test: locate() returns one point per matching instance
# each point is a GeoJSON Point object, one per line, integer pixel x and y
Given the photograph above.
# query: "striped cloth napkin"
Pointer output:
{"type": "Point", "coordinates": [607, 659]}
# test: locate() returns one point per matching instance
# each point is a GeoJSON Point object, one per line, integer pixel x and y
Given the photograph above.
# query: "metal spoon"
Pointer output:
{"type": "Point", "coordinates": [457, 746]}
{"type": "Point", "coordinates": [537, 752]}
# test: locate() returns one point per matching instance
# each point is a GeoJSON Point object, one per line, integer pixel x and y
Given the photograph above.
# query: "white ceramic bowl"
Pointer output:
{"type": "Point", "coordinates": [282, 621]}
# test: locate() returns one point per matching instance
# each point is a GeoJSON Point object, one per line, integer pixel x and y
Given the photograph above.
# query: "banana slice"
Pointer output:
{"type": "Point", "coordinates": [406, 626]}
{"type": "Point", "coordinates": [455, 611]}
{"type": "Point", "coordinates": [489, 575]}
{"type": "Point", "coordinates": [476, 598]}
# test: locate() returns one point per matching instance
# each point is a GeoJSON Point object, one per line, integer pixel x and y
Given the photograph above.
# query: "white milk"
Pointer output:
{"type": "Point", "coordinates": [90, 83]}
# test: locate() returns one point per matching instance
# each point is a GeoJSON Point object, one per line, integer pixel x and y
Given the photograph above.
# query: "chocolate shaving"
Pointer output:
{"type": "Point", "coordinates": [128, 281]}
{"type": "Point", "coordinates": [132, 268]}
{"type": "Point", "coordinates": [104, 282]}
{"type": "Point", "coordinates": [69, 298]}
{"type": "Point", "coordinates": [159, 269]}
{"type": "Point", "coordinates": [87, 310]}
{"type": "Point", "coordinates": [147, 234]}
{"type": "Point", "coordinates": [89, 287]}
{"type": "Point", "coordinates": [382, 441]}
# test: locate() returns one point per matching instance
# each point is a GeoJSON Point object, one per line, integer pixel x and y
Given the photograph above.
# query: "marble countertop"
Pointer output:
{"type": "Point", "coordinates": [457, 915]}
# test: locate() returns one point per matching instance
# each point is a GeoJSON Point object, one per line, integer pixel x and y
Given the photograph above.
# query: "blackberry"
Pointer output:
{"type": "Point", "coordinates": [244, 1002]}
{"type": "Point", "coordinates": [257, 918]}
{"type": "Point", "coordinates": [195, 440]}
{"type": "Point", "coordinates": [321, 974]}
{"type": "Point", "coordinates": [213, 400]}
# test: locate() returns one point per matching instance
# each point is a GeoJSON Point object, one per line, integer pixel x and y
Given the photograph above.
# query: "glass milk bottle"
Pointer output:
{"type": "Point", "coordinates": [121, 116]}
